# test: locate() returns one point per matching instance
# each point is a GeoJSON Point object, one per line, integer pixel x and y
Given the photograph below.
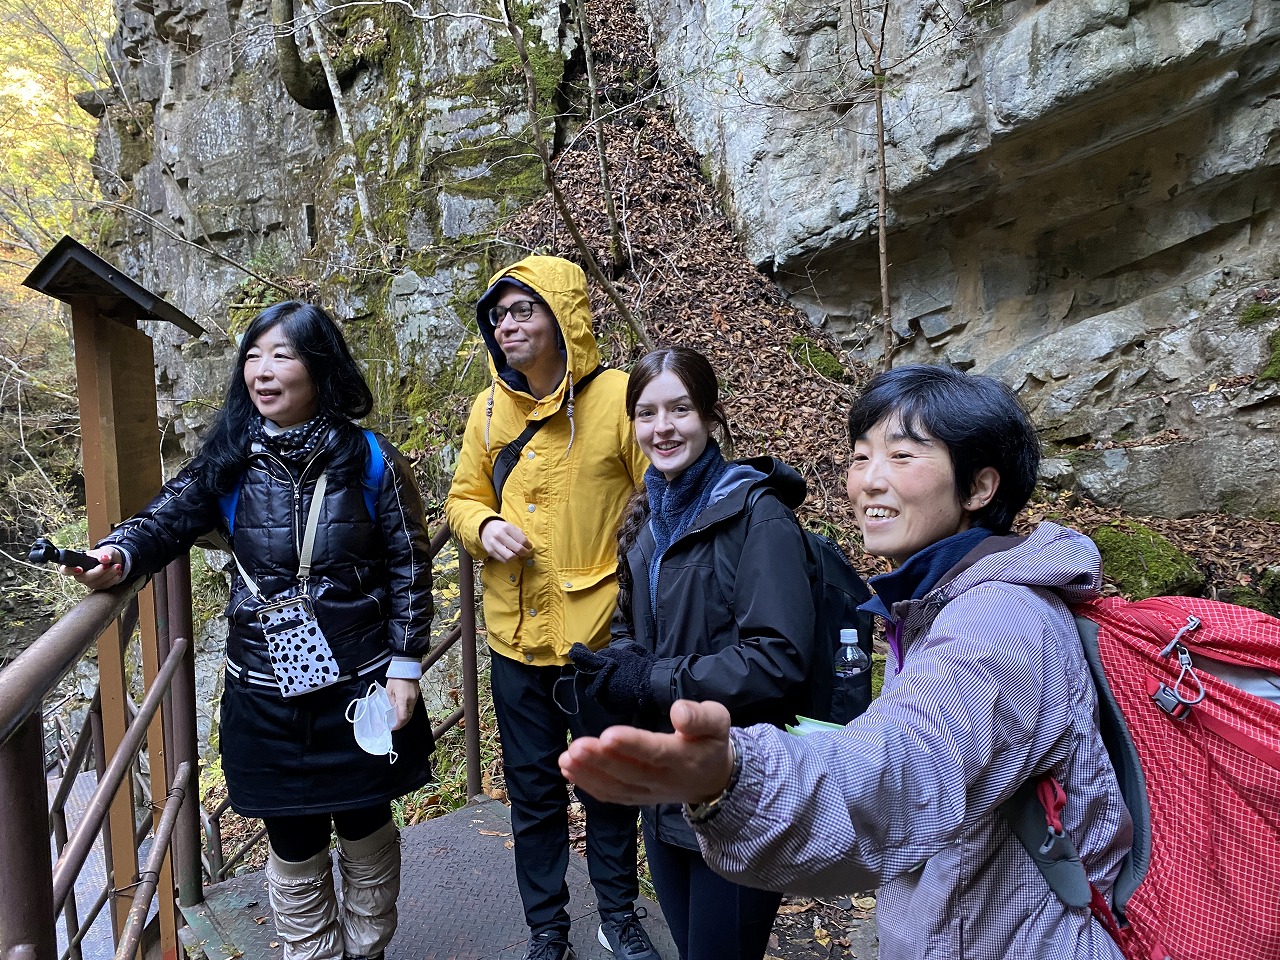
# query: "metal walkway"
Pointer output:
{"type": "Point", "coordinates": [458, 900]}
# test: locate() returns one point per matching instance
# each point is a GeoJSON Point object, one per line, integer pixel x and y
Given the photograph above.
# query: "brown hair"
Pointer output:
{"type": "Point", "coordinates": [694, 371]}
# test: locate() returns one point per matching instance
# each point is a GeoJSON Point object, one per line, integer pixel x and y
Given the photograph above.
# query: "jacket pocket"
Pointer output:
{"type": "Point", "coordinates": [589, 602]}
{"type": "Point", "coordinates": [502, 585]}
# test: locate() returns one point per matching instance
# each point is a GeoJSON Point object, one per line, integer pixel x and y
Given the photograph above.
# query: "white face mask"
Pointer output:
{"type": "Point", "coordinates": [373, 718]}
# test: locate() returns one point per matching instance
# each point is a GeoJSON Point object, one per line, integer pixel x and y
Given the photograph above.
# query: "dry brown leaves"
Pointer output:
{"type": "Point", "coordinates": [688, 277]}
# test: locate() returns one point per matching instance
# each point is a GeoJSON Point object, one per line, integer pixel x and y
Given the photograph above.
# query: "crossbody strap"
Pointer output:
{"type": "Point", "coordinates": [509, 455]}
{"type": "Point", "coordinates": [308, 541]}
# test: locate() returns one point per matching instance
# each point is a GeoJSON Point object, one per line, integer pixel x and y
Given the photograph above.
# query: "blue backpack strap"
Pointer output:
{"type": "Point", "coordinates": [373, 473]}
{"type": "Point", "coordinates": [228, 503]}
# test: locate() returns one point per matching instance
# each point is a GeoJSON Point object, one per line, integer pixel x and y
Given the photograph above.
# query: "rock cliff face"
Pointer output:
{"type": "Point", "coordinates": [1081, 199]}
{"type": "Point", "coordinates": [217, 169]}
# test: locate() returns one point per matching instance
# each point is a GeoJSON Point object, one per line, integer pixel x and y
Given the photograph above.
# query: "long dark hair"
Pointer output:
{"type": "Point", "coordinates": [977, 418]}
{"type": "Point", "coordinates": [341, 393]}
{"type": "Point", "coordinates": [699, 379]}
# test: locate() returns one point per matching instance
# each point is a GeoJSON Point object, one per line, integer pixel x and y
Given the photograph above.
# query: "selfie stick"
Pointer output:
{"type": "Point", "coordinates": [43, 551]}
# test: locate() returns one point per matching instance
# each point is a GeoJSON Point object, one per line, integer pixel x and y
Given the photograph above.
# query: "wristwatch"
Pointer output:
{"type": "Point", "coordinates": [702, 812]}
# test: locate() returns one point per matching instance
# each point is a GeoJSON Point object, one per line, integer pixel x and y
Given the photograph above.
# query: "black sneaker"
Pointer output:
{"type": "Point", "coordinates": [549, 945]}
{"type": "Point", "coordinates": [623, 936]}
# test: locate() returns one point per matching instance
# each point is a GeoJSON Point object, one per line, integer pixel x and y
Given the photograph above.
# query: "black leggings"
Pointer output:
{"type": "Point", "coordinates": [297, 839]}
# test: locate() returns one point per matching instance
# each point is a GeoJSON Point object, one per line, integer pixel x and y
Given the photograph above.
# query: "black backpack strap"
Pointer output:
{"type": "Point", "coordinates": [507, 458]}
{"type": "Point", "coordinates": [1032, 821]}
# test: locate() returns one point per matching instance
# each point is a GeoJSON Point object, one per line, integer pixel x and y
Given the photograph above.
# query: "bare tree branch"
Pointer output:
{"type": "Point", "coordinates": [340, 109]}
{"type": "Point", "coordinates": [548, 176]}
{"type": "Point", "coordinates": [156, 224]}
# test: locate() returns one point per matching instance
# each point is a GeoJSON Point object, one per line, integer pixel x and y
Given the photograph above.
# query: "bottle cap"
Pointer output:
{"type": "Point", "coordinates": [848, 635]}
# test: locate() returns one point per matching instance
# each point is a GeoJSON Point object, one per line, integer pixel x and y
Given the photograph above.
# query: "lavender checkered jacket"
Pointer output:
{"type": "Point", "coordinates": [992, 689]}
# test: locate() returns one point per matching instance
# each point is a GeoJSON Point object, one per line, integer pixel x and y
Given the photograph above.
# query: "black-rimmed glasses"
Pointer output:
{"type": "Point", "coordinates": [520, 310]}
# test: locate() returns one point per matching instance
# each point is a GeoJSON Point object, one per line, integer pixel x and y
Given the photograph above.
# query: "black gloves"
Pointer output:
{"type": "Point", "coordinates": [618, 676]}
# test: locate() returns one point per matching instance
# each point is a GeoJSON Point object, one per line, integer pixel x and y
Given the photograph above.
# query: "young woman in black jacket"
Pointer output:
{"type": "Point", "coordinates": [714, 604]}
{"type": "Point", "coordinates": [294, 761]}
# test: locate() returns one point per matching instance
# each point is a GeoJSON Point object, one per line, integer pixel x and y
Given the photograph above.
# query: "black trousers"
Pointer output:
{"type": "Point", "coordinates": [534, 732]}
{"type": "Point", "coordinates": [710, 918]}
{"type": "Point", "coordinates": [300, 838]}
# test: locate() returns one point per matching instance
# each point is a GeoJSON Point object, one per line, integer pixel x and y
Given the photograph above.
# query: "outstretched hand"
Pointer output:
{"type": "Point", "coordinates": [637, 767]}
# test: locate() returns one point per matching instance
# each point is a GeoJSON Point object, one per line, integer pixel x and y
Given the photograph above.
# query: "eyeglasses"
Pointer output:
{"type": "Point", "coordinates": [520, 311]}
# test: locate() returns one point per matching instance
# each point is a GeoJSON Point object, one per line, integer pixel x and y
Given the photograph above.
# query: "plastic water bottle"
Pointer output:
{"type": "Point", "coordinates": [852, 660]}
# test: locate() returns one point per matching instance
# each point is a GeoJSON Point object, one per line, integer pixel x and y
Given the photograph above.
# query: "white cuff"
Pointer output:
{"type": "Point", "coordinates": [404, 668]}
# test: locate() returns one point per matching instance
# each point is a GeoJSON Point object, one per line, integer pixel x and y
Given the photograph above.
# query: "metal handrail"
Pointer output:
{"type": "Point", "coordinates": [150, 875]}
{"type": "Point", "coordinates": [27, 679]}
{"type": "Point", "coordinates": [39, 668]}
{"type": "Point", "coordinates": [86, 832]}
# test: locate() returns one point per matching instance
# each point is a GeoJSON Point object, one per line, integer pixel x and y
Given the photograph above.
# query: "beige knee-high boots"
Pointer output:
{"type": "Point", "coordinates": [306, 910]}
{"type": "Point", "coordinates": [370, 870]}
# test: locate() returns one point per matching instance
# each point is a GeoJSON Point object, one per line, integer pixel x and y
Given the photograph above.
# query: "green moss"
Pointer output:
{"type": "Point", "coordinates": [1244, 597]}
{"type": "Point", "coordinates": [816, 358]}
{"type": "Point", "coordinates": [878, 661]}
{"type": "Point", "coordinates": [251, 298]}
{"type": "Point", "coordinates": [1142, 563]}
{"type": "Point", "coordinates": [1271, 370]}
{"type": "Point", "coordinates": [135, 134]}
{"type": "Point", "coordinates": [546, 63]}
{"type": "Point", "coordinates": [1255, 313]}
{"type": "Point", "coordinates": [1269, 587]}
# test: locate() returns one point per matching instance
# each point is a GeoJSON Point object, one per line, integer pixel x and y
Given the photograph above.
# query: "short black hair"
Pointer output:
{"type": "Point", "coordinates": [977, 418]}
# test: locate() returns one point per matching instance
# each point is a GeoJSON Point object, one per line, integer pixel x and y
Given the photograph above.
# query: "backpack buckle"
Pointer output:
{"type": "Point", "coordinates": [1171, 703]}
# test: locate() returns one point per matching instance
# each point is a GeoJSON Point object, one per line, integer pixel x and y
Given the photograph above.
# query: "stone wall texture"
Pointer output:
{"type": "Point", "coordinates": [1081, 200]}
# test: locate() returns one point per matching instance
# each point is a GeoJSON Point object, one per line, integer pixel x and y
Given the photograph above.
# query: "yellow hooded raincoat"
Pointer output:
{"type": "Point", "coordinates": [567, 491]}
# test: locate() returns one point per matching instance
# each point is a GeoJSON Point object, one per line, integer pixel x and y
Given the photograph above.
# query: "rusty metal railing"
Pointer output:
{"type": "Point", "coordinates": [33, 889]}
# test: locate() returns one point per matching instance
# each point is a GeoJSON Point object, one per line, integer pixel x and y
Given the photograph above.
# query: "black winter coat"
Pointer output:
{"type": "Point", "coordinates": [370, 581]}
{"type": "Point", "coordinates": [371, 590]}
{"type": "Point", "coordinates": [734, 617]}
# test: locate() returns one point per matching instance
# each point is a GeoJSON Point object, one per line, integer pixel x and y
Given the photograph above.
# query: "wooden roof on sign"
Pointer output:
{"type": "Point", "coordinates": [71, 270]}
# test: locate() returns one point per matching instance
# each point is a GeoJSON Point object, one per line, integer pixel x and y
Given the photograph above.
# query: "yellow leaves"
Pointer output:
{"type": "Point", "coordinates": [790, 909]}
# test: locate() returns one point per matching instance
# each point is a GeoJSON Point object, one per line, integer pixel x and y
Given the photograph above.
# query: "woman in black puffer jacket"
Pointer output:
{"type": "Point", "coordinates": [294, 761]}
{"type": "Point", "coordinates": [714, 603]}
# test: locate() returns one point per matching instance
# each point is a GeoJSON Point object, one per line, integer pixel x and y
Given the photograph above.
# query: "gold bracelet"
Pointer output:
{"type": "Point", "coordinates": [702, 812]}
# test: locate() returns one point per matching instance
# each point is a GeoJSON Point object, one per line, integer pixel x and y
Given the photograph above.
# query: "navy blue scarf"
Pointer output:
{"type": "Point", "coordinates": [673, 505]}
{"type": "Point", "coordinates": [922, 571]}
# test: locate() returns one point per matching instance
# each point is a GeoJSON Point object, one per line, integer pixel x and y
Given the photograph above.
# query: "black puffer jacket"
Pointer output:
{"type": "Point", "coordinates": [734, 616]}
{"type": "Point", "coordinates": [370, 580]}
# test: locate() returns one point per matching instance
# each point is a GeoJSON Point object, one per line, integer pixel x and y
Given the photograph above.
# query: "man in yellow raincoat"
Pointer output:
{"type": "Point", "coordinates": [547, 465]}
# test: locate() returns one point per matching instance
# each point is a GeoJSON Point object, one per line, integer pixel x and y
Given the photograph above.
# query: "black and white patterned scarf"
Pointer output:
{"type": "Point", "coordinates": [296, 445]}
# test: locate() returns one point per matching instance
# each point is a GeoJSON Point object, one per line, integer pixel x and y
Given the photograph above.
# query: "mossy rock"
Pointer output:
{"type": "Point", "coordinates": [1271, 371]}
{"type": "Point", "coordinates": [1144, 564]}
{"type": "Point", "coordinates": [1257, 312]}
{"type": "Point", "coordinates": [1244, 597]}
{"type": "Point", "coordinates": [816, 358]}
{"type": "Point", "coordinates": [1269, 587]}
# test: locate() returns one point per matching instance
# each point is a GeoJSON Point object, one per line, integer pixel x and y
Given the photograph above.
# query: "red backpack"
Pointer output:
{"type": "Point", "coordinates": [1198, 761]}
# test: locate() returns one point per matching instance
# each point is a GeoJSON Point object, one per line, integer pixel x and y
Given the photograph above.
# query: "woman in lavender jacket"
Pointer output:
{"type": "Point", "coordinates": [987, 689]}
